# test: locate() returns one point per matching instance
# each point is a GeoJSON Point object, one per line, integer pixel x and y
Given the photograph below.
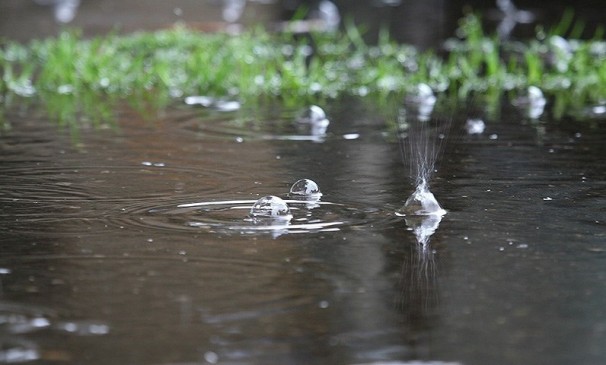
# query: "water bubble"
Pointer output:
{"type": "Point", "coordinates": [421, 202]}
{"type": "Point", "coordinates": [533, 102]}
{"type": "Point", "coordinates": [305, 188]}
{"type": "Point", "coordinates": [313, 114]}
{"type": "Point", "coordinates": [270, 207]}
{"type": "Point", "coordinates": [313, 122]}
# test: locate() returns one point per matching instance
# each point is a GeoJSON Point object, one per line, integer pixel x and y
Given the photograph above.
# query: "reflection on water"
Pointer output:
{"type": "Point", "coordinates": [135, 245]}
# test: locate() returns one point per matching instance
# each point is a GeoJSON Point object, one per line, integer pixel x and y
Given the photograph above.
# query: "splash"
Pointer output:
{"type": "Point", "coordinates": [421, 139]}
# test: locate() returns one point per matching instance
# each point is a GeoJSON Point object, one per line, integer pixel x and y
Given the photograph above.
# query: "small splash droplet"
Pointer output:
{"type": "Point", "coordinates": [305, 187]}
{"type": "Point", "coordinates": [205, 101]}
{"type": "Point", "coordinates": [421, 202]}
{"type": "Point", "coordinates": [475, 126]}
{"type": "Point", "coordinates": [270, 207]}
{"type": "Point", "coordinates": [211, 357]}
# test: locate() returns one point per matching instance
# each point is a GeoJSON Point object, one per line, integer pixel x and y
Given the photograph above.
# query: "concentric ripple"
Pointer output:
{"type": "Point", "coordinates": [233, 217]}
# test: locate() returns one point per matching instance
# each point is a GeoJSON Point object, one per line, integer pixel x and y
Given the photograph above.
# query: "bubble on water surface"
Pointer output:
{"type": "Point", "coordinates": [422, 100]}
{"type": "Point", "coordinates": [421, 202]}
{"type": "Point", "coordinates": [313, 122]}
{"type": "Point", "coordinates": [533, 103]}
{"type": "Point", "coordinates": [313, 114]}
{"type": "Point", "coordinates": [210, 102]}
{"type": "Point", "coordinates": [305, 188]}
{"type": "Point", "coordinates": [271, 207]}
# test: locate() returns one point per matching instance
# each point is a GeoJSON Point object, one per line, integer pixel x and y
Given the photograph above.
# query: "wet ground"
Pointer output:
{"type": "Point", "coordinates": [102, 261]}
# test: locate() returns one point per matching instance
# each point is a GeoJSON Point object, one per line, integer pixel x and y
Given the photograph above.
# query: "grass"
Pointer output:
{"type": "Point", "coordinates": [80, 78]}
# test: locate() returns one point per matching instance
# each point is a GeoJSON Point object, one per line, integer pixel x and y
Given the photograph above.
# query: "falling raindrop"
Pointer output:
{"type": "Point", "coordinates": [475, 126]}
{"type": "Point", "coordinates": [270, 207]}
{"type": "Point", "coordinates": [233, 9]}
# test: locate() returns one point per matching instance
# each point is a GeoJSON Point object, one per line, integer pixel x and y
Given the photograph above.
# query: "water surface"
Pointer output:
{"type": "Point", "coordinates": [99, 264]}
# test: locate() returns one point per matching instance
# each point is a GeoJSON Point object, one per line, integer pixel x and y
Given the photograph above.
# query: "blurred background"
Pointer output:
{"type": "Point", "coordinates": [423, 23]}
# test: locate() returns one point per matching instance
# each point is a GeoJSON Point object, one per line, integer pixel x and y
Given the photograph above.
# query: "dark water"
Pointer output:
{"type": "Point", "coordinates": [99, 263]}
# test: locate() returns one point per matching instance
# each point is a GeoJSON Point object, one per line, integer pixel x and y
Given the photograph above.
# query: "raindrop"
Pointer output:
{"type": "Point", "coordinates": [227, 105]}
{"type": "Point", "coordinates": [204, 101]}
{"type": "Point", "coordinates": [233, 9]}
{"type": "Point", "coordinates": [306, 188]}
{"type": "Point", "coordinates": [65, 89]}
{"type": "Point", "coordinates": [350, 136]}
{"type": "Point", "coordinates": [421, 202]}
{"type": "Point", "coordinates": [475, 126]}
{"type": "Point", "coordinates": [270, 207]}
{"type": "Point", "coordinates": [599, 109]}
{"type": "Point", "coordinates": [327, 13]}
{"type": "Point", "coordinates": [65, 10]}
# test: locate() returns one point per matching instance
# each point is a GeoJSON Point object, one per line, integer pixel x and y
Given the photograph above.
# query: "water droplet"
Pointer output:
{"type": "Point", "coordinates": [599, 109]}
{"type": "Point", "coordinates": [305, 187]}
{"type": "Point", "coordinates": [493, 136]}
{"type": "Point", "coordinates": [227, 105]}
{"type": "Point", "coordinates": [475, 126]}
{"type": "Point", "coordinates": [233, 10]}
{"type": "Point", "coordinates": [204, 101]}
{"type": "Point", "coordinates": [270, 207]}
{"type": "Point", "coordinates": [211, 357]}
{"type": "Point", "coordinates": [65, 89]}
{"type": "Point", "coordinates": [421, 202]}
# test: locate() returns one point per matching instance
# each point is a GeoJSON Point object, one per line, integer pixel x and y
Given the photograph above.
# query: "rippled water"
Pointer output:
{"type": "Point", "coordinates": [134, 244]}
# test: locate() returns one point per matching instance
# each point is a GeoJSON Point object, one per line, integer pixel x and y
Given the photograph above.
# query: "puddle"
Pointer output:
{"type": "Point", "coordinates": [140, 239]}
{"type": "Point", "coordinates": [135, 243]}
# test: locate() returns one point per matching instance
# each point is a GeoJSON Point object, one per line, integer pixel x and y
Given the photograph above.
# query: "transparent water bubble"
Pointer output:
{"type": "Point", "coordinates": [270, 207]}
{"type": "Point", "coordinates": [533, 102]}
{"type": "Point", "coordinates": [312, 115]}
{"type": "Point", "coordinates": [305, 188]}
{"type": "Point", "coordinates": [313, 122]}
{"type": "Point", "coordinates": [421, 202]}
